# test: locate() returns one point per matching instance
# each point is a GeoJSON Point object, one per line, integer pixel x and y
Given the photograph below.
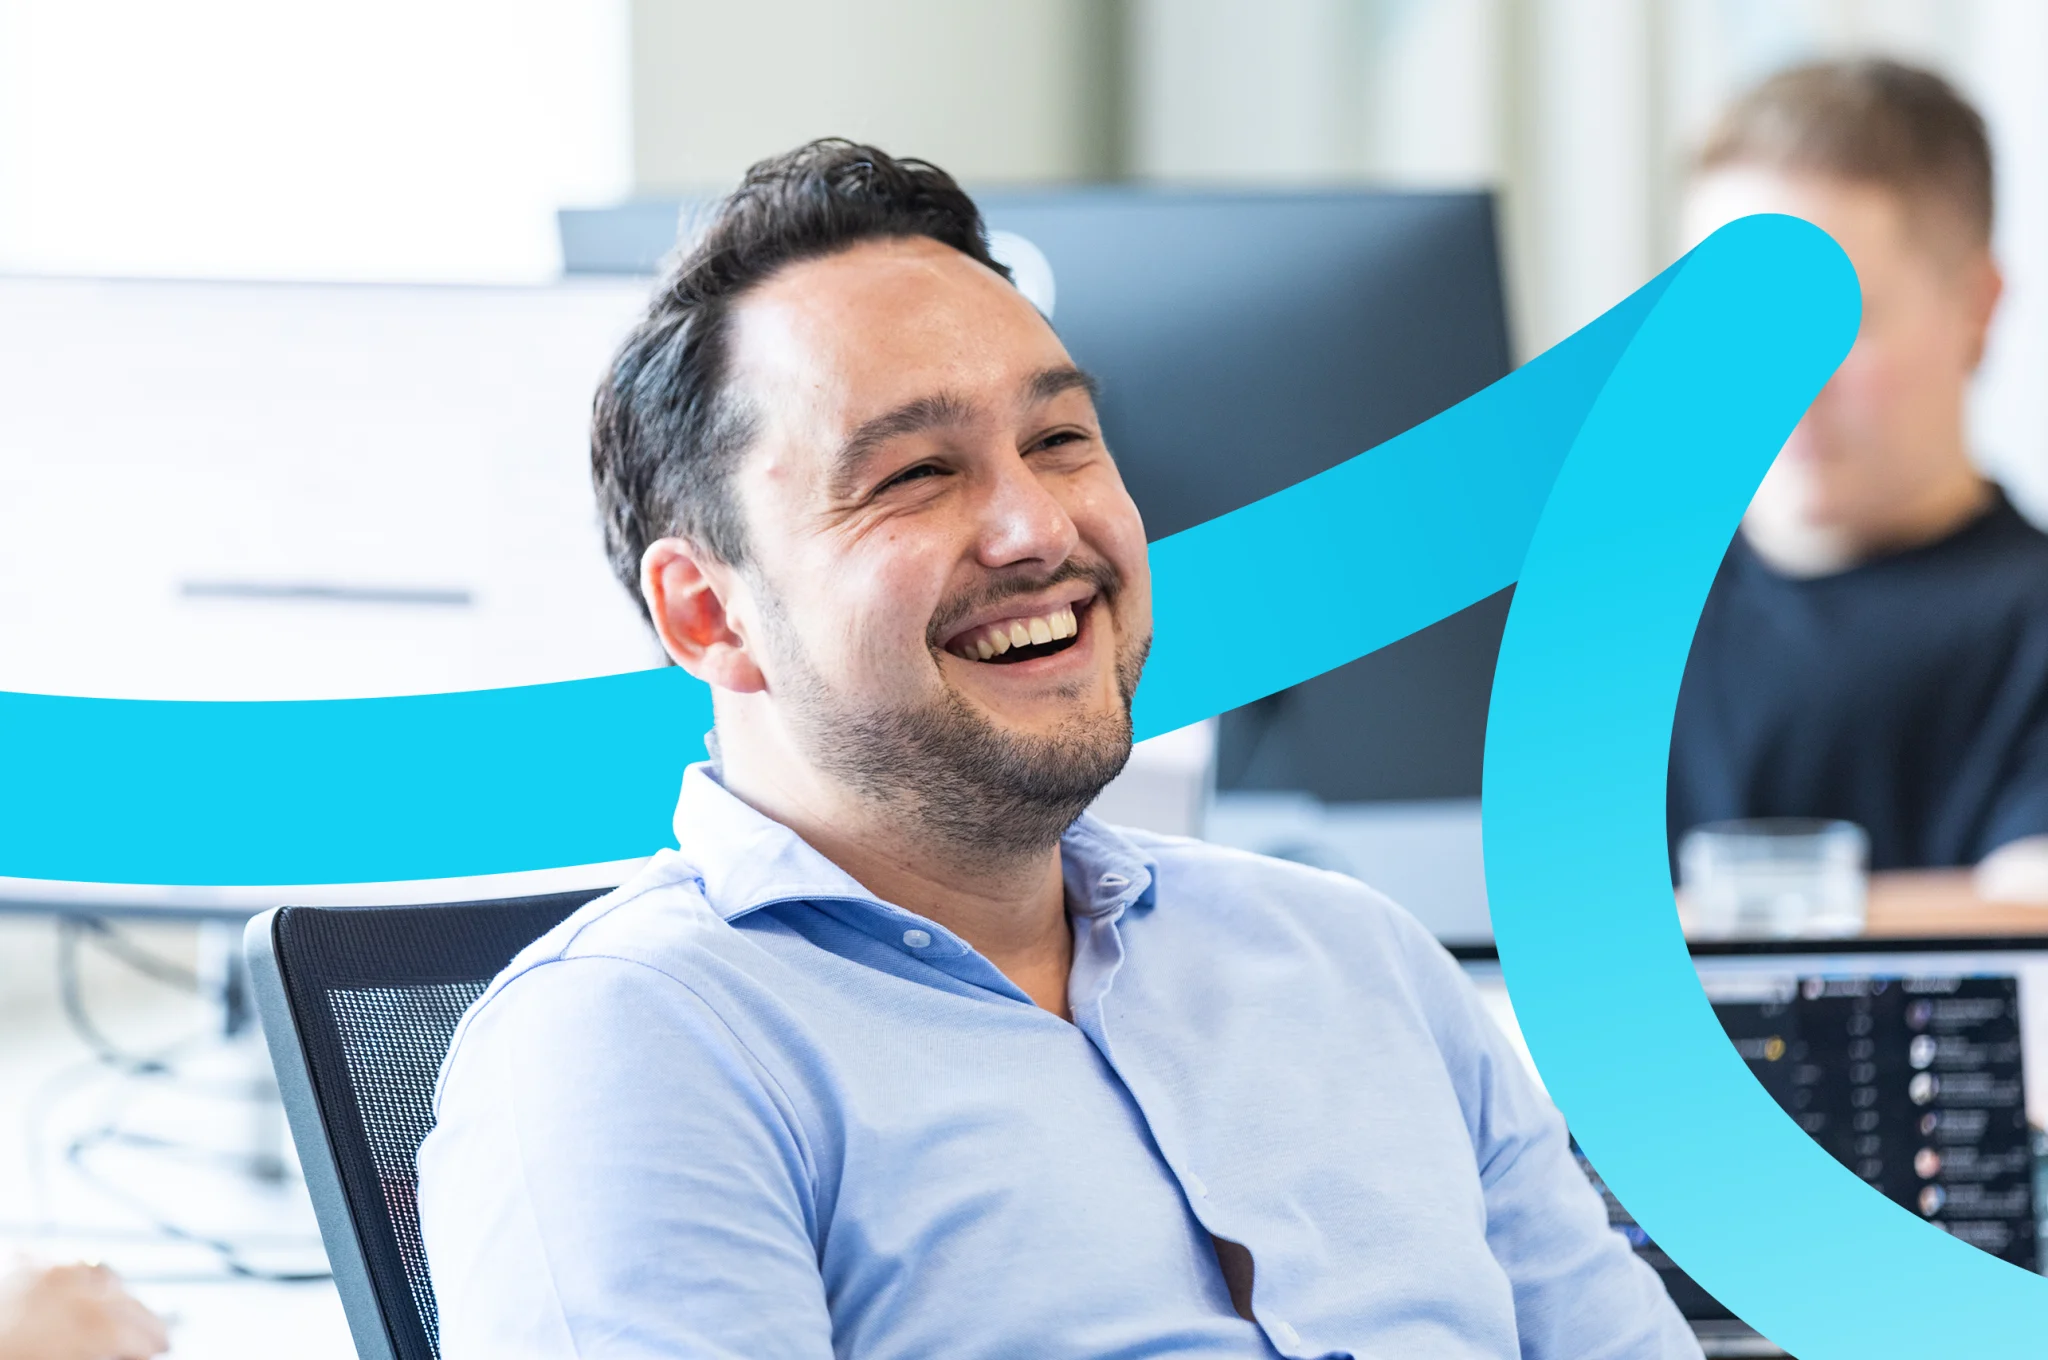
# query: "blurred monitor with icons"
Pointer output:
{"type": "Point", "coordinates": [1246, 341]}
{"type": "Point", "coordinates": [1920, 1066]}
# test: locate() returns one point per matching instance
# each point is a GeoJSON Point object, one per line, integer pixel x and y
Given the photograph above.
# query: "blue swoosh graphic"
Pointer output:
{"type": "Point", "coordinates": [1748, 330]}
{"type": "Point", "coordinates": [586, 771]}
{"type": "Point", "coordinates": [1608, 476]}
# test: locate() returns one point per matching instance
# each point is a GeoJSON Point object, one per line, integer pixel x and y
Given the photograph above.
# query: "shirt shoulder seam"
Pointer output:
{"type": "Point", "coordinates": [505, 977]}
{"type": "Point", "coordinates": [754, 1060]}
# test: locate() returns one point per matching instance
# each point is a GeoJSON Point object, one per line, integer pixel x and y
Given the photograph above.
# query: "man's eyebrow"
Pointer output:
{"type": "Point", "coordinates": [921, 413]}
{"type": "Point", "coordinates": [1048, 383]}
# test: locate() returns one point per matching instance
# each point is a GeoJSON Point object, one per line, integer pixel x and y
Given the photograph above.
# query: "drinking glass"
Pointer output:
{"type": "Point", "coordinates": [1774, 878]}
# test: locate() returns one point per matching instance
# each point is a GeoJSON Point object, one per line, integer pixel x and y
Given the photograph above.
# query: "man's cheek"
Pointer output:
{"type": "Point", "coordinates": [888, 631]}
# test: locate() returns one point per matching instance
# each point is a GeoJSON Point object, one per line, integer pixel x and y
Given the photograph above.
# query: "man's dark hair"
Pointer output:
{"type": "Point", "coordinates": [667, 430]}
{"type": "Point", "coordinates": [1870, 121]}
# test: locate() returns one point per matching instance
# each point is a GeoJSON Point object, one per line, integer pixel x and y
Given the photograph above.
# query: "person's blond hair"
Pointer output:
{"type": "Point", "coordinates": [1870, 121]}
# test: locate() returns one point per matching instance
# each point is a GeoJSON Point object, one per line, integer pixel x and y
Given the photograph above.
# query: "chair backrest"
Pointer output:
{"type": "Point", "coordinates": [358, 1008]}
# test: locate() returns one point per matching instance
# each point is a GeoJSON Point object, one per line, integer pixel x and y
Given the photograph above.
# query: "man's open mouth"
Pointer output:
{"type": "Point", "coordinates": [1007, 641]}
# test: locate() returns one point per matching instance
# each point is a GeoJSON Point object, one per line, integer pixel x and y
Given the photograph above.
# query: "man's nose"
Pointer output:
{"type": "Point", "coordinates": [1022, 520]}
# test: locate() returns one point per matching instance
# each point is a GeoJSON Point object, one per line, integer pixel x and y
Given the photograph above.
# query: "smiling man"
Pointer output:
{"type": "Point", "coordinates": [900, 1054]}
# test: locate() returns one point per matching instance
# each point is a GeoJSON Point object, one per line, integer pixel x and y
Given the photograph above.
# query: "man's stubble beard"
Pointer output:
{"type": "Point", "coordinates": [988, 795]}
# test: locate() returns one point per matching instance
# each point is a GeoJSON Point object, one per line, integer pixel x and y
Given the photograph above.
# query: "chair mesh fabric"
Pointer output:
{"type": "Point", "coordinates": [376, 994]}
{"type": "Point", "coordinates": [393, 1040]}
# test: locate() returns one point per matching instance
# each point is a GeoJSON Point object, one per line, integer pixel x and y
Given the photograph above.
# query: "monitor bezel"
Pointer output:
{"type": "Point", "coordinates": [1792, 948]}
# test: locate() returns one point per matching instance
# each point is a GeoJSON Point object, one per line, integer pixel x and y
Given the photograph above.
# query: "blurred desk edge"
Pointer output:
{"type": "Point", "coordinates": [174, 902]}
{"type": "Point", "coordinates": [1927, 903]}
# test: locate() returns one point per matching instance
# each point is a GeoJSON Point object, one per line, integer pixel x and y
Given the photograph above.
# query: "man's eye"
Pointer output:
{"type": "Point", "coordinates": [1059, 437]}
{"type": "Point", "coordinates": [910, 474]}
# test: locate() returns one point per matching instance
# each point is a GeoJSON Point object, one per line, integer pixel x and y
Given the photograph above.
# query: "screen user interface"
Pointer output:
{"type": "Point", "coordinates": [1925, 1074]}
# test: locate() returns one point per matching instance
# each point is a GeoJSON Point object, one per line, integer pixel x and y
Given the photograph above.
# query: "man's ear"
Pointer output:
{"type": "Point", "coordinates": [1986, 284]}
{"type": "Point", "coordinates": [688, 594]}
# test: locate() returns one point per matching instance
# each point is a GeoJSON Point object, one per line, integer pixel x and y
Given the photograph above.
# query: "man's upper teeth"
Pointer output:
{"type": "Point", "coordinates": [996, 638]}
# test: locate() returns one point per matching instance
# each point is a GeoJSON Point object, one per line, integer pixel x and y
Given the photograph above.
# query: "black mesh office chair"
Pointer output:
{"type": "Point", "coordinates": [358, 1007]}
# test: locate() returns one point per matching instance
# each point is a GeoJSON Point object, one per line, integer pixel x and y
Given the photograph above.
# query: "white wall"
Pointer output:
{"type": "Point", "coordinates": [1318, 91]}
{"type": "Point", "coordinates": [1438, 92]}
{"type": "Point", "coordinates": [1588, 183]}
{"type": "Point", "coordinates": [383, 139]}
{"type": "Point", "coordinates": [994, 90]}
{"type": "Point", "coordinates": [1245, 90]}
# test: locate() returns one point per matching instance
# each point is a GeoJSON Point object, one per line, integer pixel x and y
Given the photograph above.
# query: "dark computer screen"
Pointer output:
{"type": "Point", "coordinates": [1246, 340]}
{"type": "Point", "coordinates": [1921, 1072]}
{"type": "Point", "coordinates": [1922, 1069]}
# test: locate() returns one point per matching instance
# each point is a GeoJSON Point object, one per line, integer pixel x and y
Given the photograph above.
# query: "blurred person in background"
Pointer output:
{"type": "Point", "coordinates": [1875, 647]}
{"type": "Point", "coordinates": [74, 1312]}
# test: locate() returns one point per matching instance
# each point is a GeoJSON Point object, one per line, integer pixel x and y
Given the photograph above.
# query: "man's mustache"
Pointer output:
{"type": "Point", "coordinates": [1099, 573]}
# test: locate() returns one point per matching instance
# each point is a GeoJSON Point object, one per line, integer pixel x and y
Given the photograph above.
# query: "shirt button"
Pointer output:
{"type": "Point", "coordinates": [917, 939]}
{"type": "Point", "coordinates": [1286, 1333]}
{"type": "Point", "coordinates": [1113, 881]}
{"type": "Point", "coordinates": [1195, 1184]}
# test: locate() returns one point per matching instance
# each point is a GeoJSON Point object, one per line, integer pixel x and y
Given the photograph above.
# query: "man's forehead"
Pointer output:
{"type": "Point", "coordinates": [1871, 221]}
{"type": "Point", "coordinates": [856, 332]}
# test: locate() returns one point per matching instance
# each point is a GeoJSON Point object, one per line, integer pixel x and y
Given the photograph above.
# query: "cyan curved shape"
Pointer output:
{"type": "Point", "coordinates": [1608, 475]}
{"type": "Point", "coordinates": [585, 771]}
{"type": "Point", "coordinates": [1746, 332]}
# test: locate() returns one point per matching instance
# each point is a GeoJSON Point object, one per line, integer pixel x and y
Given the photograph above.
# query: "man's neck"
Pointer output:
{"type": "Point", "coordinates": [1804, 550]}
{"type": "Point", "coordinates": [1012, 910]}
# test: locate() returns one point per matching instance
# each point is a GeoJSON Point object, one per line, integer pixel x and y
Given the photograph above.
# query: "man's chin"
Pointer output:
{"type": "Point", "coordinates": [1078, 745]}
{"type": "Point", "coordinates": [1056, 722]}
{"type": "Point", "coordinates": [1801, 503]}
{"type": "Point", "coordinates": [991, 784]}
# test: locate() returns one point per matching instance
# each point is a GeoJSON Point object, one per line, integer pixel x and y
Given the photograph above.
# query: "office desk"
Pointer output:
{"type": "Point", "coordinates": [1933, 903]}
{"type": "Point", "coordinates": [1938, 904]}
{"type": "Point", "coordinates": [234, 905]}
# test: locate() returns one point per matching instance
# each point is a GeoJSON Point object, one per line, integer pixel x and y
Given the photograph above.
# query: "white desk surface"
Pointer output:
{"type": "Point", "coordinates": [173, 901]}
{"type": "Point", "coordinates": [51, 1091]}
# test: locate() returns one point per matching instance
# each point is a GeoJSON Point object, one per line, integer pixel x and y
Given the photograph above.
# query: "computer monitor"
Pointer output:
{"type": "Point", "coordinates": [1245, 341]}
{"type": "Point", "coordinates": [1920, 1066]}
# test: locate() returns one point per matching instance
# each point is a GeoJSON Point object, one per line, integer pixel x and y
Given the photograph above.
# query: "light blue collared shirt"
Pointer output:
{"type": "Point", "coordinates": [741, 1108]}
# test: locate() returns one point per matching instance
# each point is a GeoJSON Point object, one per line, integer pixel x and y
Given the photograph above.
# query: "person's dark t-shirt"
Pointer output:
{"type": "Point", "coordinates": [1908, 695]}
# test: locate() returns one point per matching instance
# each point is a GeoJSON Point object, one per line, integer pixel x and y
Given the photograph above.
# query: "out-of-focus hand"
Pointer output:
{"type": "Point", "coordinates": [75, 1312]}
{"type": "Point", "coordinates": [2016, 872]}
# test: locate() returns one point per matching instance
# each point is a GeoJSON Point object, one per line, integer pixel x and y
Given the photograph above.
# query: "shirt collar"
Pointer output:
{"type": "Point", "coordinates": [1105, 871]}
{"type": "Point", "coordinates": [746, 860]}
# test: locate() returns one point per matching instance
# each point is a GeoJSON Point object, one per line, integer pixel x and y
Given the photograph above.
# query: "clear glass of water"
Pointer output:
{"type": "Point", "coordinates": [1774, 878]}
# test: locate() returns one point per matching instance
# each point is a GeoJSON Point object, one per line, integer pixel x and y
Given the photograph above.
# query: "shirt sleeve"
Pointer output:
{"type": "Point", "coordinates": [614, 1177]}
{"type": "Point", "coordinates": [1580, 1290]}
